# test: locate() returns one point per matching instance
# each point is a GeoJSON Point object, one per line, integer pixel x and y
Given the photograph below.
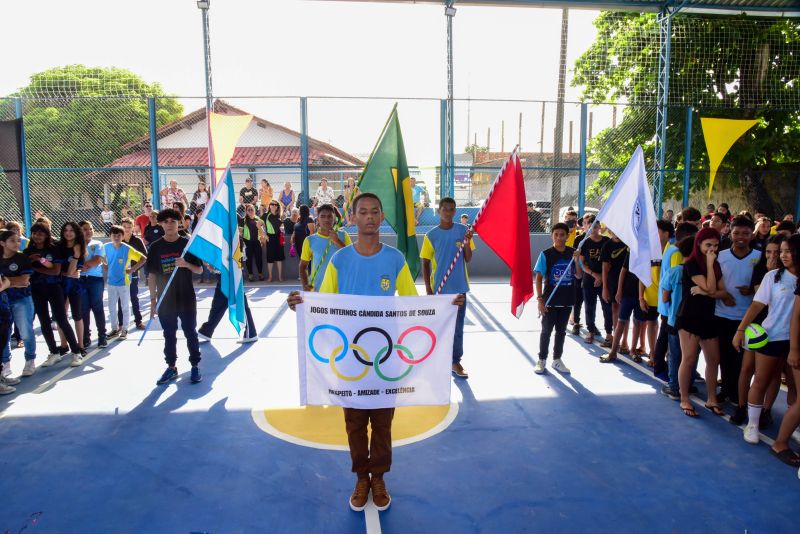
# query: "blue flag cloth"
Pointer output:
{"type": "Point", "coordinates": [216, 241]}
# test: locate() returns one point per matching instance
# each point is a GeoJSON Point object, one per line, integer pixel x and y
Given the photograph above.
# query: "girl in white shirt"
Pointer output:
{"type": "Point", "coordinates": [776, 291]}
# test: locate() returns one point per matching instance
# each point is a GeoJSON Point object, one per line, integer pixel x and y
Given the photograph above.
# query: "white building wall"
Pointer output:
{"type": "Point", "coordinates": [253, 136]}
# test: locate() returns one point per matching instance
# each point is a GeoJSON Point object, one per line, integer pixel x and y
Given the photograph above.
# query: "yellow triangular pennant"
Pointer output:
{"type": "Point", "coordinates": [720, 134]}
{"type": "Point", "coordinates": [225, 133]}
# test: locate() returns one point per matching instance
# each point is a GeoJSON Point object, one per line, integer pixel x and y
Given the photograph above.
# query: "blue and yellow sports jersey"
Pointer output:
{"type": "Point", "coordinates": [314, 250]}
{"type": "Point", "coordinates": [118, 260]}
{"type": "Point", "coordinates": [381, 274]}
{"type": "Point", "coordinates": [440, 247]}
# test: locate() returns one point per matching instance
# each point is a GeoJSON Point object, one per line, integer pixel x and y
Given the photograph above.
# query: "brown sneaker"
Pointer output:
{"type": "Point", "coordinates": [459, 371]}
{"type": "Point", "coordinates": [380, 496]}
{"type": "Point", "coordinates": [358, 500]}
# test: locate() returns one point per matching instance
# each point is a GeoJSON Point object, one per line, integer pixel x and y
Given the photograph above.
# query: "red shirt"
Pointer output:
{"type": "Point", "coordinates": [142, 221]}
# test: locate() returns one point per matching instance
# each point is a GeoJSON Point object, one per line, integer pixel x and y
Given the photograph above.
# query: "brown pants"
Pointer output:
{"type": "Point", "coordinates": [369, 456]}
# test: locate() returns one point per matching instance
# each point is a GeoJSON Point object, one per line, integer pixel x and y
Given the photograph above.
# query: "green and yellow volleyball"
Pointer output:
{"type": "Point", "coordinates": [755, 337]}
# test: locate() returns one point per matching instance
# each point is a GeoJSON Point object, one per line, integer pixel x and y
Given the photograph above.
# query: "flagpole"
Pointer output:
{"type": "Point", "coordinates": [480, 212]}
{"type": "Point", "coordinates": [203, 217]}
{"type": "Point", "coordinates": [352, 194]}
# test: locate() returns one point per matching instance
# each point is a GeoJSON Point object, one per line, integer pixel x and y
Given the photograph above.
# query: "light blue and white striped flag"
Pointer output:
{"type": "Point", "coordinates": [216, 241]}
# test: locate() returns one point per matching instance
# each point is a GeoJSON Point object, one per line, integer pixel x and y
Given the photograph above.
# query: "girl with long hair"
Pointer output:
{"type": "Point", "coordinates": [264, 195]}
{"type": "Point", "coordinates": [275, 253]}
{"type": "Point", "coordinates": [199, 198]}
{"type": "Point", "coordinates": [776, 291]}
{"type": "Point", "coordinates": [702, 285]}
{"type": "Point", "coordinates": [47, 291]}
{"type": "Point", "coordinates": [72, 251]}
{"type": "Point", "coordinates": [253, 233]}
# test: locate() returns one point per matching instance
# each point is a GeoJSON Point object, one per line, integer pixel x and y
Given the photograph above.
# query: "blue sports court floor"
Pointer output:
{"type": "Point", "coordinates": [101, 448]}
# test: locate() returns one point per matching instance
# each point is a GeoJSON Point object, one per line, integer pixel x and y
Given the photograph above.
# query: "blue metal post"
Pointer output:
{"type": "Point", "coordinates": [665, 29]}
{"type": "Point", "coordinates": [154, 174]}
{"type": "Point", "coordinates": [443, 147]}
{"type": "Point", "coordinates": [687, 156]}
{"type": "Point", "coordinates": [582, 172]}
{"type": "Point", "coordinates": [304, 183]}
{"type": "Point", "coordinates": [25, 183]}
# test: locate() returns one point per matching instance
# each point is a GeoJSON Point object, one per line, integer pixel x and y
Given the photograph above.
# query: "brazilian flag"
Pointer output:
{"type": "Point", "coordinates": [386, 175]}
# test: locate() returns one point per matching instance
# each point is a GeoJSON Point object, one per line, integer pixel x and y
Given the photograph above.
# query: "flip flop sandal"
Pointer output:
{"type": "Point", "coordinates": [625, 351]}
{"type": "Point", "coordinates": [606, 359]}
{"type": "Point", "coordinates": [589, 338]}
{"type": "Point", "coordinates": [606, 344]}
{"type": "Point", "coordinates": [637, 358]}
{"type": "Point", "coordinates": [787, 456]}
{"type": "Point", "coordinates": [689, 412]}
{"type": "Point", "coordinates": [716, 410]}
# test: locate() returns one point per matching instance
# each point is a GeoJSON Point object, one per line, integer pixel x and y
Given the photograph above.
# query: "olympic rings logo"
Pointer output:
{"type": "Point", "coordinates": [339, 352]}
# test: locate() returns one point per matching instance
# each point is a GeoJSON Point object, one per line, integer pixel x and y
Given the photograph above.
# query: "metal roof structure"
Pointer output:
{"type": "Point", "coordinates": [773, 8]}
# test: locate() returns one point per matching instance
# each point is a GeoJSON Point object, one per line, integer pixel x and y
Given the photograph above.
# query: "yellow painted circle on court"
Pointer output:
{"type": "Point", "coordinates": [322, 427]}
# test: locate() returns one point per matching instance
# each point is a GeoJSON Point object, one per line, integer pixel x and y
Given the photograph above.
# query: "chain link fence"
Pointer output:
{"type": "Point", "coordinates": [87, 153]}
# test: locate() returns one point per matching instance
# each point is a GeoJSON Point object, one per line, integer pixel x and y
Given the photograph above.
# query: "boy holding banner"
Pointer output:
{"type": "Point", "coordinates": [368, 267]}
{"type": "Point", "coordinates": [318, 249]}
{"type": "Point", "coordinates": [439, 248]}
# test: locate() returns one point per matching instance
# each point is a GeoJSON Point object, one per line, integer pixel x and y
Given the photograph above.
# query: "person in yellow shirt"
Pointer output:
{"type": "Point", "coordinates": [368, 267]}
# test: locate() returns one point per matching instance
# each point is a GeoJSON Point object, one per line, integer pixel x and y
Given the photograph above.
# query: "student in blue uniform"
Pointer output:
{"type": "Point", "coordinates": [319, 248]}
{"type": "Point", "coordinates": [439, 248]}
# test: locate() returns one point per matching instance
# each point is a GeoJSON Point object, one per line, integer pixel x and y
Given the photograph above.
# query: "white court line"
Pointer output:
{"type": "Point", "coordinates": [372, 518]}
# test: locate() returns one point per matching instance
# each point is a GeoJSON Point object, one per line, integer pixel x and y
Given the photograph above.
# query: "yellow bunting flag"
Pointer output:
{"type": "Point", "coordinates": [720, 134]}
{"type": "Point", "coordinates": [225, 131]}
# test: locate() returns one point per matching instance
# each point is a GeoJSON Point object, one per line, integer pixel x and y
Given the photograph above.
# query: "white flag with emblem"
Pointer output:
{"type": "Point", "coordinates": [629, 213]}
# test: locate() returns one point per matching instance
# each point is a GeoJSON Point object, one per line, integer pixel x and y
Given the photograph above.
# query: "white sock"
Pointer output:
{"type": "Point", "coordinates": [753, 414]}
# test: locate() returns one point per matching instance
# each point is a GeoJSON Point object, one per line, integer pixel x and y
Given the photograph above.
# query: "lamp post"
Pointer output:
{"type": "Point", "coordinates": [203, 6]}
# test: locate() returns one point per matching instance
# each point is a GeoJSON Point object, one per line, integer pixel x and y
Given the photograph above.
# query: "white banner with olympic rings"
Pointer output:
{"type": "Point", "coordinates": [375, 352]}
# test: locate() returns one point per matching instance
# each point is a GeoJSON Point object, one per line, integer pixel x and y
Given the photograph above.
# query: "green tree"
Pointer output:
{"type": "Point", "coordinates": [66, 127]}
{"type": "Point", "coordinates": [725, 67]}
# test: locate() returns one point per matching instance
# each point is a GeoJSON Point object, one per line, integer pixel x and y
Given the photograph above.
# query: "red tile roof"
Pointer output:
{"type": "Point", "coordinates": [317, 150]}
{"type": "Point", "coordinates": [242, 156]}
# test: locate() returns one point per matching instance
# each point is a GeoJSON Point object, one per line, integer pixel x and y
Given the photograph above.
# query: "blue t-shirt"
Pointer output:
{"type": "Point", "coordinates": [316, 250]}
{"type": "Point", "coordinates": [416, 193]}
{"type": "Point", "coordinates": [94, 248]}
{"type": "Point", "coordinates": [672, 282]}
{"type": "Point", "coordinates": [16, 265]}
{"type": "Point", "coordinates": [378, 275]}
{"type": "Point", "coordinates": [440, 247]}
{"type": "Point", "coordinates": [666, 260]}
{"type": "Point", "coordinates": [118, 260]}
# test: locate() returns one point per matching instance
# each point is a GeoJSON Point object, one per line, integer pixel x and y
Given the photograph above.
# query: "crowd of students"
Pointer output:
{"type": "Point", "coordinates": [719, 276]}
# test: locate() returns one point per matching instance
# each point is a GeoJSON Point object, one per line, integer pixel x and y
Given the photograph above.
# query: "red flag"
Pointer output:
{"type": "Point", "coordinates": [502, 224]}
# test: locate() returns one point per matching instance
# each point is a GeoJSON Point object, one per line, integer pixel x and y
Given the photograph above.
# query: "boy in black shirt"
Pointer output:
{"type": "Point", "coordinates": [180, 301]}
{"type": "Point", "coordinates": [627, 298]}
{"type": "Point", "coordinates": [612, 257]}
{"type": "Point", "coordinates": [550, 266]}
{"type": "Point", "coordinates": [590, 249]}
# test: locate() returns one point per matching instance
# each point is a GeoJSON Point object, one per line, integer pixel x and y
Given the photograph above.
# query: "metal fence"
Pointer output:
{"type": "Point", "coordinates": [87, 153]}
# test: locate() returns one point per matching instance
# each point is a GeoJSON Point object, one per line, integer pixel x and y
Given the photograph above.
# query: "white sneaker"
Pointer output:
{"type": "Point", "coordinates": [123, 334]}
{"type": "Point", "coordinates": [247, 340]}
{"type": "Point", "coordinates": [6, 370]}
{"type": "Point", "coordinates": [9, 380]}
{"type": "Point", "coordinates": [559, 366]}
{"type": "Point", "coordinates": [751, 434]}
{"type": "Point", "coordinates": [5, 390]}
{"type": "Point", "coordinates": [77, 359]}
{"type": "Point", "coordinates": [52, 359]}
{"type": "Point", "coordinates": [30, 368]}
{"type": "Point", "coordinates": [541, 367]}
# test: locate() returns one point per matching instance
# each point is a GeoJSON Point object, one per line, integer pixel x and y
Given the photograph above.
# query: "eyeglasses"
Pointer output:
{"type": "Point", "coordinates": [148, 205]}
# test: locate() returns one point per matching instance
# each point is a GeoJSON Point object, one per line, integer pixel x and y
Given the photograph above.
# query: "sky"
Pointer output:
{"type": "Point", "coordinates": [321, 48]}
